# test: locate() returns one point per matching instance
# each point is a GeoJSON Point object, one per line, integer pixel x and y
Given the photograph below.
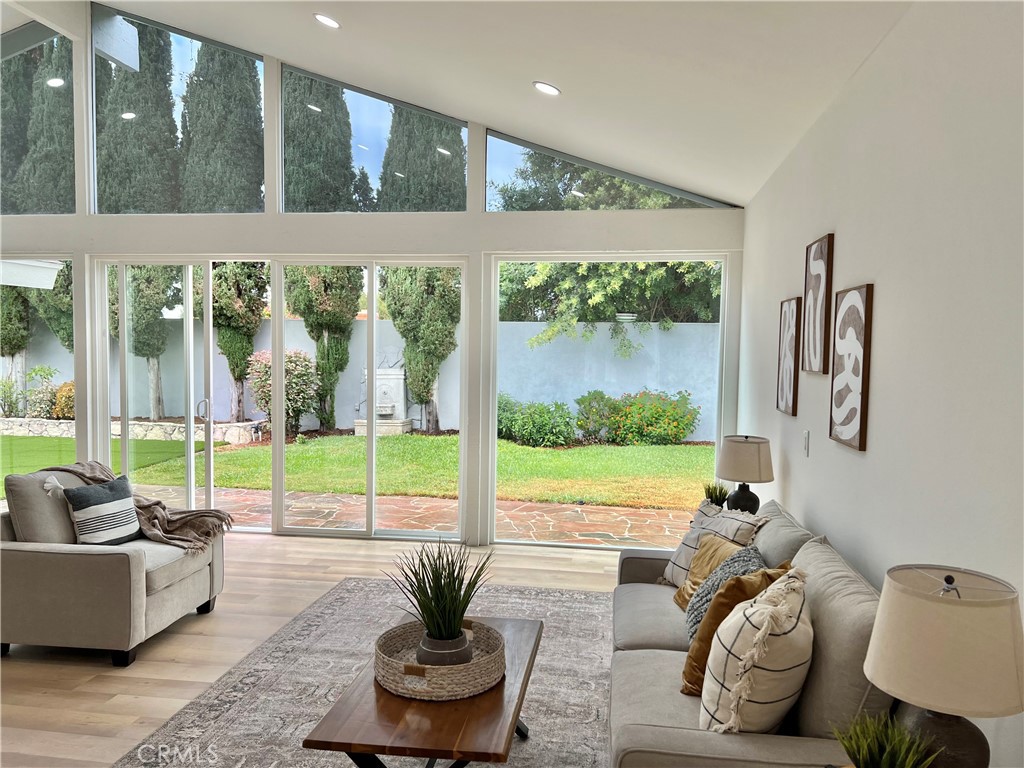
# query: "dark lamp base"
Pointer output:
{"type": "Point", "coordinates": [962, 742]}
{"type": "Point", "coordinates": [743, 498]}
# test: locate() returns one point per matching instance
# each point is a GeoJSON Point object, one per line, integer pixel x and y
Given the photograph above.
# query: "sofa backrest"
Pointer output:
{"type": "Point", "coordinates": [842, 606]}
{"type": "Point", "coordinates": [37, 516]}
{"type": "Point", "coordinates": [781, 537]}
{"type": "Point", "coordinates": [6, 527]}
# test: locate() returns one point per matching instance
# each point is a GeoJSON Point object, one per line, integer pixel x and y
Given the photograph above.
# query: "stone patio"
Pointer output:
{"type": "Point", "coordinates": [516, 520]}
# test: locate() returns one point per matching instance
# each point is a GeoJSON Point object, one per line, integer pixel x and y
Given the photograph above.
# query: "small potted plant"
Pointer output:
{"type": "Point", "coordinates": [440, 584]}
{"type": "Point", "coordinates": [881, 742]}
{"type": "Point", "coordinates": [716, 493]}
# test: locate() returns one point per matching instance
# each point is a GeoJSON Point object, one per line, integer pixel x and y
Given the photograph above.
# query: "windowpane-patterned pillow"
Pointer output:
{"type": "Point", "coordinates": [737, 527]}
{"type": "Point", "coordinates": [103, 513]}
{"type": "Point", "coordinates": [740, 563]}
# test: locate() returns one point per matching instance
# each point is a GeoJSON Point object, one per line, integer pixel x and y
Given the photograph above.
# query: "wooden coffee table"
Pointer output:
{"type": "Point", "coordinates": [368, 720]}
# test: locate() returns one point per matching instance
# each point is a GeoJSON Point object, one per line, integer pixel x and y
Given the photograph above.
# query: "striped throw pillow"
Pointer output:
{"type": "Point", "coordinates": [759, 660]}
{"type": "Point", "coordinates": [103, 513]}
{"type": "Point", "coordinates": [737, 527]}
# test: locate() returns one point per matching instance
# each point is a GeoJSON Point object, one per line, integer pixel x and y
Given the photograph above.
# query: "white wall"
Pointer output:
{"type": "Point", "coordinates": [917, 168]}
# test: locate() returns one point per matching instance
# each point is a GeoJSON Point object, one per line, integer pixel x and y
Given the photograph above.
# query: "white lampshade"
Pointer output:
{"type": "Point", "coordinates": [745, 459]}
{"type": "Point", "coordinates": [959, 655]}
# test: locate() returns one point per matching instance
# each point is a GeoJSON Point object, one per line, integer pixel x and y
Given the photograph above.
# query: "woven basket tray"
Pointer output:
{"type": "Point", "coordinates": [396, 669]}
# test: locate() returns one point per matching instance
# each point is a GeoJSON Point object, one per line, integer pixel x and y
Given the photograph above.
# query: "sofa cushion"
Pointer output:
{"type": "Point", "coordinates": [843, 606]}
{"type": "Point", "coordinates": [37, 516]}
{"type": "Point", "coordinates": [781, 537]}
{"type": "Point", "coordinates": [742, 561]}
{"type": "Point", "coordinates": [167, 564]}
{"type": "Point", "coordinates": [711, 553]}
{"type": "Point", "coordinates": [737, 527]}
{"type": "Point", "coordinates": [103, 513]}
{"type": "Point", "coordinates": [758, 660]}
{"type": "Point", "coordinates": [644, 616]}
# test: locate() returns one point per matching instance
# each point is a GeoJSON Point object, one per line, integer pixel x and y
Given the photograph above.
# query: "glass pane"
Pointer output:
{"type": "Point", "coordinates": [184, 134]}
{"type": "Point", "coordinates": [346, 151]}
{"type": "Point", "coordinates": [418, 398]}
{"type": "Point", "coordinates": [607, 399]}
{"type": "Point", "coordinates": [325, 343]}
{"type": "Point", "coordinates": [524, 179]}
{"type": "Point", "coordinates": [37, 130]}
{"type": "Point", "coordinates": [37, 370]}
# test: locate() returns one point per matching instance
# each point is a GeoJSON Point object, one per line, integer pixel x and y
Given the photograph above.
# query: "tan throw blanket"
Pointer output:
{"type": "Point", "coordinates": [190, 529]}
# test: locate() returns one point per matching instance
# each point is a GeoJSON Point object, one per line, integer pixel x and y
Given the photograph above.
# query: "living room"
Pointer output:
{"type": "Point", "coordinates": [895, 127]}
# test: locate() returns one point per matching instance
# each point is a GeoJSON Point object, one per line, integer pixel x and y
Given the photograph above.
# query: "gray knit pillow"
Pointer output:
{"type": "Point", "coordinates": [740, 563]}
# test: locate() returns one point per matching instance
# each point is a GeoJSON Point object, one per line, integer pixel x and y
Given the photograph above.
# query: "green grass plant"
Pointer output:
{"type": "Point", "coordinates": [881, 742]}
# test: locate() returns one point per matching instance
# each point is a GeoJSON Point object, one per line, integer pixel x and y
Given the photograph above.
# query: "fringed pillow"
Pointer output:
{"type": "Point", "coordinates": [759, 660]}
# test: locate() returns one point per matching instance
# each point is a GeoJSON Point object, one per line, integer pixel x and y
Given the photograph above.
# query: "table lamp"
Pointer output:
{"type": "Point", "coordinates": [744, 459]}
{"type": "Point", "coordinates": [949, 641]}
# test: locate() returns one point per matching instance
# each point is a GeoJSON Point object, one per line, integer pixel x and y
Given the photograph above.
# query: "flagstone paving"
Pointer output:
{"type": "Point", "coordinates": [515, 520]}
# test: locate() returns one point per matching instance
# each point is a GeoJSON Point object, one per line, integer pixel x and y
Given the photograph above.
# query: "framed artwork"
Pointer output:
{"type": "Point", "coordinates": [789, 351]}
{"type": "Point", "coordinates": [817, 307]}
{"type": "Point", "coordinates": [848, 423]}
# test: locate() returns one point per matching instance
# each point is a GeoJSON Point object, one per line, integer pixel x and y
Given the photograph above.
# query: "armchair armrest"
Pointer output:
{"type": "Point", "coordinates": [72, 595]}
{"type": "Point", "coordinates": [642, 565]}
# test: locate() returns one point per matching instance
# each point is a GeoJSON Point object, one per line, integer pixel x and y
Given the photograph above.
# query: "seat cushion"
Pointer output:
{"type": "Point", "coordinates": [644, 616]}
{"type": "Point", "coordinates": [166, 564]}
{"type": "Point", "coordinates": [843, 606]}
{"type": "Point", "coordinates": [781, 537]}
{"type": "Point", "coordinates": [39, 517]}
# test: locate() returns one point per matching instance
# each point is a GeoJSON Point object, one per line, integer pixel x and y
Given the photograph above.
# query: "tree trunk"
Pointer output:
{"type": "Point", "coordinates": [20, 376]}
{"type": "Point", "coordinates": [431, 424]}
{"type": "Point", "coordinates": [156, 390]}
{"type": "Point", "coordinates": [238, 401]}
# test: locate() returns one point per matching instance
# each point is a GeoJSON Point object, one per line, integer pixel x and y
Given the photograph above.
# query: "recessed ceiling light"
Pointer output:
{"type": "Point", "coordinates": [362, 146]}
{"type": "Point", "coordinates": [576, 192]}
{"type": "Point", "coordinates": [127, 115]}
{"type": "Point", "coordinates": [314, 107]}
{"type": "Point", "coordinates": [327, 21]}
{"type": "Point", "coordinates": [55, 82]}
{"type": "Point", "coordinates": [399, 175]}
{"type": "Point", "coordinates": [547, 88]}
{"type": "Point", "coordinates": [443, 151]}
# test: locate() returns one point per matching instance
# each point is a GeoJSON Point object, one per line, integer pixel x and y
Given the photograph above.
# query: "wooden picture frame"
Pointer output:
{"type": "Point", "coordinates": [817, 305]}
{"type": "Point", "coordinates": [851, 367]}
{"type": "Point", "coordinates": [789, 355]}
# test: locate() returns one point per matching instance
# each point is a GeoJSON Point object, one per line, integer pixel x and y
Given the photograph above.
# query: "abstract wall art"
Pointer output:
{"type": "Point", "coordinates": [789, 353]}
{"type": "Point", "coordinates": [848, 423]}
{"type": "Point", "coordinates": [817, 307]}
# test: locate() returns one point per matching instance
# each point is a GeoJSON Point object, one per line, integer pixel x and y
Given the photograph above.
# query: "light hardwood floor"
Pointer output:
{"type": "Point", "coordinates": [72, 708]}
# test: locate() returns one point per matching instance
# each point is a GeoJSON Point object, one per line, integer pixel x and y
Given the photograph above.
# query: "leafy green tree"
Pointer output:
{"type": "Point", "coordinates": [327, 298]}
{"type": "Point", "coordinates": [239, 298]}
{"type": "Point", "coordinates": [547, 183]}
{"type": "Point", "coordinates": [362, 192]}
{"type": "Point", "coordinates": [564, 294]}
{"type": "Point", "coordinates": [56, 306]}
{"type": "Point", "coordinates": [415, 175]}
{"type": "Point", "coordinates": [138, 159]}
{"type": "Point", "coordinates": [318, 173]}
{"type": "Point", "coordinates": [16, 74]}
{"type": "Point", "coordinates": [14, 336]}
{"type": "Point", "coordinates": [45, 182]}
{"type": "Point", "coordinates": [425, 305]}
{"type": "Point", "coordinates": [103, 79]}
{"type": "Point", "coordinates": [151, 288]}
{"type": "Point", "coordinates": [222, 134]}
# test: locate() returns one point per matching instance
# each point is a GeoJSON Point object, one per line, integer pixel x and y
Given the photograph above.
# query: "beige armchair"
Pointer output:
{"type": "Point", "coordinates": [56, 592]}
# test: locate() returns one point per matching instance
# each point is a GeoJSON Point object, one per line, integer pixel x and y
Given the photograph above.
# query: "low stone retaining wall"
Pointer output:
{"type": "Point", "coordinates": [240, 432]}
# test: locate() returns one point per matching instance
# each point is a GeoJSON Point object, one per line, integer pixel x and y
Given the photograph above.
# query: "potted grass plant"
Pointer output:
{"type": "Point", "coordinates": [439, 583]}
{"type": "Point", "coordinates": [716, 493]}
{"type": "Point", "coordinates": [881, 742]}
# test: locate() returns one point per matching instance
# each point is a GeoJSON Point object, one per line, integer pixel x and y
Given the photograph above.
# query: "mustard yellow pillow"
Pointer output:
{"type": "Point", "coordinates": [712, 551]}
{"type": "Point", "coordinates": [734, 591]}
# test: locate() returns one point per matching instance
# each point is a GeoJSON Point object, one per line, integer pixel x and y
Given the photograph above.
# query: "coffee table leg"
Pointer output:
{"type": "Point", "coordinates": [521, 730]}
{"type": "Point", "coordinates": [363, 760]}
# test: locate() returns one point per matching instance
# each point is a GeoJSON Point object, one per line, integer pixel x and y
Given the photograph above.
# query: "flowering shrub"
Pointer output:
{"type": "Point", "coordinates": [64, 401]}
{"type": "Point", "coordinates": [300, 387]}
{"type": "Point", "coordinates": [43, 397]}
{"type": "Point", "coordinates": [594, 412]}
{"type": "Point", "coordinates": [545, 425]}
{"type": "Point", "coordinates": [653, 418]}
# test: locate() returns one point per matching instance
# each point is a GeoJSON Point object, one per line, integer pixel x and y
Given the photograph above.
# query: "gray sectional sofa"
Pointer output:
{"type": "Point", "coordinates": [653, 725]}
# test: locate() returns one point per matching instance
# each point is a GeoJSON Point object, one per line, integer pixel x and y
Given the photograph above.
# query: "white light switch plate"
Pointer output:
{"type": "Point", "coordinates": [807, 443]}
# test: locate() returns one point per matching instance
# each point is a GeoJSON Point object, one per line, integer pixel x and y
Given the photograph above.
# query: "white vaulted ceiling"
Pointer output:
{"type": "Point", "coordinates": [707, 96]}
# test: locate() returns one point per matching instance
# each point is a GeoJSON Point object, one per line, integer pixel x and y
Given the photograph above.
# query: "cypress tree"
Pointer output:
{"type": "Point", "coordinates": [327, 298]}
{"type": "Point", "coordinates": [429, 180]}
{"type": "Point", "coordinates": [222, 134]}
{"type": "Point", "coordinates": [16, 74]}
{"type": "Point", "coordinates": [137, 159]}
{"type": "Point", "coordinates": [56, 306]}
{"type": "Point", "coordinates": [45, 182]}
{"type": "Point", "coordinates": [14, 334]}
{"type": "Point", "coordinates": [318, 173]}
{"type": "Point", "coordinates": [103, 79]}
{"type": "Point", "coordinates": [363, 194]}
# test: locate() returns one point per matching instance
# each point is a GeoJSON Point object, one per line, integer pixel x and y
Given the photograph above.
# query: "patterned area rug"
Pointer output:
{"type": "Point", "coordinates": [256, 715]}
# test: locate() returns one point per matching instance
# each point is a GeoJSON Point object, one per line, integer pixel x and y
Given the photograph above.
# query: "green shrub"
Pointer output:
{"type": "Point", "coordinates": [64, 401]}
{"type": "Point", "coordinates": [41, 399]}
{"type": "Point", "coordinates": [881, 742]}
{"type": "Point", "coordinates": [653, 418]}
{"type": "Point", "coordinates": [10, 399]}
{"type": "Point", "coordinates": [540, 425]}
{"type": "Point", "coordinates": [300, 388]}
{"type": "Point", "coordinates": [594, 412]}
